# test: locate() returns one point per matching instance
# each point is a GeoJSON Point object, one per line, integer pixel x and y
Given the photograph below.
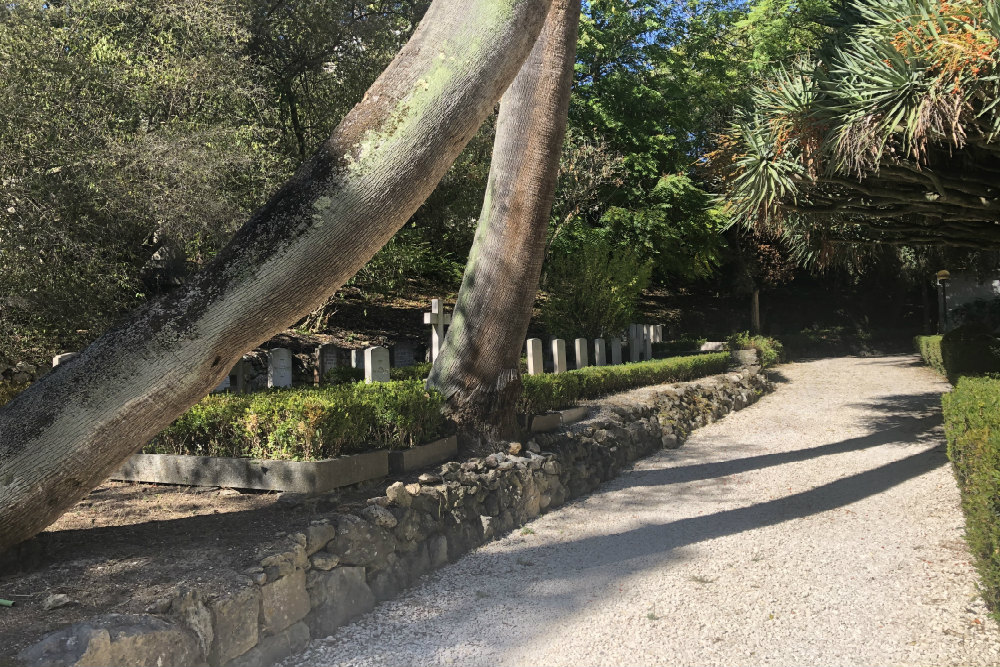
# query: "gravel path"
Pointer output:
{"type": "Point", "coordinates": [820, 526]}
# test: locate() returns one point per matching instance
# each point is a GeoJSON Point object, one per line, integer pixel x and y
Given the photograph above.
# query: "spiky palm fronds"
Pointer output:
{"type": "Point", "coordinates": [894, 131]}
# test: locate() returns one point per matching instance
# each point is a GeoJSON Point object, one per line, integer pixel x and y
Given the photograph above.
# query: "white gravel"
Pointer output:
{"type": "Point", "coordinates": [820, 526]}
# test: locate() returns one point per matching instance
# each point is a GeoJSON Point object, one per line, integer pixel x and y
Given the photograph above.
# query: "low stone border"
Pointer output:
{"type": "Point", "coordinates": [342, 564]}
{"type": "Point", "coordinates": [310, 477]}
{"type": "Point", "coordinates": [550, 421]}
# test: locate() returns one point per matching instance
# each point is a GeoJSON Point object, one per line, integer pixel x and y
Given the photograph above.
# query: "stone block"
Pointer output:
{"type": "Point", "coordinates": [422, 456]}
{"type": "Point", "coordinates": [116, 639]}
{"type": "Point", "coordinates": [283, 603]}
{"type": "Point", "coordinates": [359, 542]}
{"type": "Point", "coordinates": [309, 477]}
{"type": "Point", "coordinates": [272, 650]}
{"type": "Point", "coordinates": [337, 597]}
{"type": "Point", "coordinates": [235, 619]}
{"type": "Point", "coordinates": [437, 549]}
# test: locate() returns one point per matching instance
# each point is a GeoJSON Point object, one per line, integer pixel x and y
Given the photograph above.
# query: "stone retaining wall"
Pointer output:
{"type": "Point", "coordinates": [344, 563]}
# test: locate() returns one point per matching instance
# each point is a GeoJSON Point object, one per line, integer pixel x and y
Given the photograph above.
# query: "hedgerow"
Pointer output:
{"type": "Point", "coordinates": [551, 391]}
{"type": "Point", "coordinates": [307, 423]}
{"type": "Point", "coordinates": [972, 426]}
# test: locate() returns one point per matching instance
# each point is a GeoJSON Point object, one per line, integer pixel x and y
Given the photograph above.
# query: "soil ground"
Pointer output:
{"type": "Point", "coordinates": [126, 546]}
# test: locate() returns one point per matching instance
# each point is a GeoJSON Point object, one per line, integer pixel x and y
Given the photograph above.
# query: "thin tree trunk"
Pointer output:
{"type": "Point", "coordinates": [478, 370]}
{"type": "Point", "coordinates": [67, 432]}
{"type": "Point", "coordinates": [755, 312]}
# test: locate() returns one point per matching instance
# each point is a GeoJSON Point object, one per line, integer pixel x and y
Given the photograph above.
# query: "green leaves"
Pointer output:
{"type": "Point", "coordinates": [552, 392]}
{"type": "Point", "coordinates": [307, 423]}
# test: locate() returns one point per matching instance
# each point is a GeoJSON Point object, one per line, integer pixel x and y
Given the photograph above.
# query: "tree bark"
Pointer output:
{"type": "Point", "coordinates": [755, 311]}
{"type": "Point", "coordinates": [69, 431]}
{"type": "Point", "coordinates": [478, 369]}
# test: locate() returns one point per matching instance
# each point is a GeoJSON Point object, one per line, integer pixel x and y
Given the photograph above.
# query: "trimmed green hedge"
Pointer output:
{"type": "Point", "coordinates": [307, 423]}
{"type": "Point", "coordinates": [968, 350]}
{"type": "Point", "coordinates": [929, 348]}
{"type": "Point", "coordinates": [972, 426]}
{"type": "Point", "coordinates": [552, 392]}
{"type": "Point", "coordinates": [669, 347]}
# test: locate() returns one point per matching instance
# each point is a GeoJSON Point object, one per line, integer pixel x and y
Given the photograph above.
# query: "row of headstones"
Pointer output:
{"type": "Point", "coordinates": [641, 342]}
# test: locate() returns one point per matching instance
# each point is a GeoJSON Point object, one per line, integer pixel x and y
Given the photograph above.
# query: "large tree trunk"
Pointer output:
{"type": "Point", "coordinates": [67, 432]}
{"type": "Point", "coordinates": [478, 368]}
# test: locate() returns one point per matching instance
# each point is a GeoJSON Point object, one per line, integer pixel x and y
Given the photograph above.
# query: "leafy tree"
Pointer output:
{"type": "Point", "coordinates": [593, 285]}
{"type": "Point", "coordinates": [69, 430]}
{"type": "Point", "coordinates": [130, 146]}
{"type": "Point", "coordinates": [889, 137]}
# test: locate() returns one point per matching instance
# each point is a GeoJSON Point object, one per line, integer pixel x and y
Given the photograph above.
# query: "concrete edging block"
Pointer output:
{"type": "Point", "coordinates": [294, 476]}
{"type": "Point", "coordinates": [421, 456]}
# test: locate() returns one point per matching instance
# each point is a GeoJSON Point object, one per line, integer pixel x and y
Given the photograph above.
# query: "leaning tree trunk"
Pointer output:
{"type": "Point", "coordinates": [69, 431]}
{"type": "Point", "coordinates": [478, 368]}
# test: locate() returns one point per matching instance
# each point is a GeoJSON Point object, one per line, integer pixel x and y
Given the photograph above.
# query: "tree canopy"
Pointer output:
{"type": "Point", "coordinates": [886, 135]}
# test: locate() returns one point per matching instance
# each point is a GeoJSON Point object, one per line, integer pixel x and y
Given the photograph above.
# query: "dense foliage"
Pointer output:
{"type": "Point", "coordinates": [551, 392]}
{"type": "Point", "coordinates": [970, 349]}
{"type": "Point", "coordinates": [972, 426]}
{"type": "Point", "coordinates": [307, 423]}
{"type": "Point", "coordinates": [593, 283]}
{"type": "Point", "coordinates": [888, 135]}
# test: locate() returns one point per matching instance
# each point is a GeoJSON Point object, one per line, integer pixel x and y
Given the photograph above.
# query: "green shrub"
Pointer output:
{"type": "Point", "coordinates": [9, 390]}
{"type": "Point", "coordinates": [415, 372]}
{"type": "Point", "coordinates": [343, 375]}
{"type": "Point", "coordinates": [769, 350]}
{"type": "Point", "coordinates": [972, 426]}
{"type": "Point", "coordinates": [593, 285]}
{"type": "Point", "coordinates": [970, 349]}
{"type": "Point", "coordinates": [551, 392]}
{"type": "Point", "coordinates": [670, 347]}
{"type": "Point", "coordinates": [929, 348]}
{"type": "Point", "coordinates": [307, 423]}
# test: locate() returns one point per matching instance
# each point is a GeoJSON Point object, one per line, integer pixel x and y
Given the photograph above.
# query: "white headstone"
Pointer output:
{"type": "Point", "coordinates": [222, 386]}
{"type": "Point", "coordinates": [357, 358]}
{"type": "Point", "coordinates": [326, 360]}
{"type": "Point", "coordinates": [558, 355]}
{"type": "Point", "coordinates": [616, 351]}
{"type": "Point", "coordinates": [658, 334]}
{"type": "Point", "coordinates": [63, 358]}
{"type": "Point", "coordinates": [713, 346]}
{"type": "Point", "coordinates": [376, 364]}
{"type": "Point", "coordinates": [599, 355]}
{"type": "Point", "coordinates": [438, 320]}
{"type": "Point", "coordinates": [279, 367]}
{"type": "Point", "coordinates": [647, 342]}
{"type": "Point", "coordinates": [535, 365]}
{"type": "Point", "coordinates": [580, 348]}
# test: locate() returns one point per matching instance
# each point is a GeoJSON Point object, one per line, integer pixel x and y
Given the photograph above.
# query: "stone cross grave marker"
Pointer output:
{"type": "Point", "coordinates": [439, 320]}
{"type": "Point", "coordinates": [616, 351]}
{"type": "Point", "coordinates": [535, 365]}
{"type": "Point", "coordinates": [376, 364]}
{"type": "Point", "coordinates": [558, 355]}
{"type": "Point", "coordinates": [599, 355]}
{"type": "Point", "coordinates": [279, 367]}
{"type": "Point", "coordinates": [580, 348]}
